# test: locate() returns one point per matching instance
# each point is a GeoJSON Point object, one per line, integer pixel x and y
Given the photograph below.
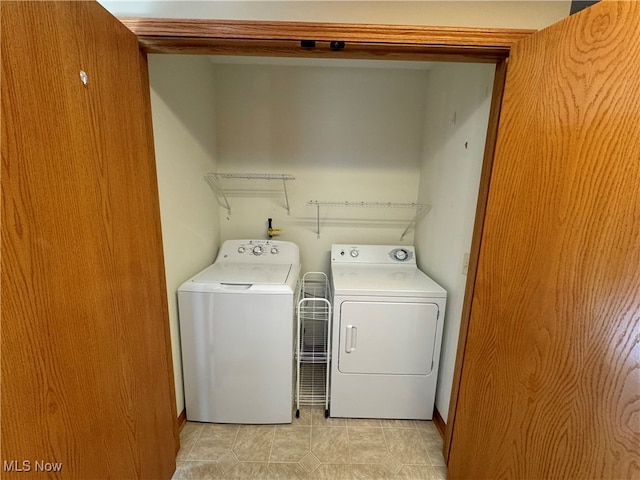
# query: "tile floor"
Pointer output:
{"type": "Point", "coordinates": [312, 447]}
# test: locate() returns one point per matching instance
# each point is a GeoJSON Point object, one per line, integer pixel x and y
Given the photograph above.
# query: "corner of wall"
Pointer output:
{"type": "Point", "coordinates": [182, 102]}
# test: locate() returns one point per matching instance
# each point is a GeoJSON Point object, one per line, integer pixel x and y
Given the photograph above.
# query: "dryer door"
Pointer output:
{"type": "Point", "coordinates": [387, 337]}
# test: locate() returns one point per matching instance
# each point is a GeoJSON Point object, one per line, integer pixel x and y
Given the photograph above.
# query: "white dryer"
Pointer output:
{"type": "Point", "coordinates": [386, 333]}
{"type": "Point", "coordinates": [237, 334]}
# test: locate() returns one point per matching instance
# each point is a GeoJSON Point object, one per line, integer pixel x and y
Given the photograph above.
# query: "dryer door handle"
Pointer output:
{"type": "Point", "coordinates": [351, 339]}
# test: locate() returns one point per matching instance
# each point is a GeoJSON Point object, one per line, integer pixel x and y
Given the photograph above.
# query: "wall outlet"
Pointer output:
{"type": "Point", "coordinates": [465, 263]}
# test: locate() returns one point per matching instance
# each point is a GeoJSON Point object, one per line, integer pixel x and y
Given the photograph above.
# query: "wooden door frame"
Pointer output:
{"type": "Point", "coordinates": [377, 42]}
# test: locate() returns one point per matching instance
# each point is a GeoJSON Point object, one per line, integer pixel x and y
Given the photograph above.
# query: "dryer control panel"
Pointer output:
{"type": "Point", "coordinates": [375, 254]}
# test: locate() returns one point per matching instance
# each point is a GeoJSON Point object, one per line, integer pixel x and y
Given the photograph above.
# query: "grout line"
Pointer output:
{"type": "Point", "coordinates": [348, 441]}
{"type": "Point", "coordinates": [233, 444]}
{"type": "Point", "coordinates": [195, 441]}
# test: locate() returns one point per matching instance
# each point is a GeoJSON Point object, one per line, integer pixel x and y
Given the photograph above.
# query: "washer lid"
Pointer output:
{"type": "Point", "coordinates": [367, 279]}
{"type": "Point", "coordinates": [244, 273]}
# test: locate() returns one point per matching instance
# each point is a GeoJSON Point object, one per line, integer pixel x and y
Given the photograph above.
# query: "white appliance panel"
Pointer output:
{"type": "Point", "coordinates": [387, 337]}
{"type": "Point", "coordinates": [244, 273]}
{"type": "Point", "coordinates": [386, 333]}
{"type": "Point", "coordinates": [239, 350]}
{"type": "Point", "coordinates": [237, 334]}
{"type": "Point", "coordinates": [397, 280]}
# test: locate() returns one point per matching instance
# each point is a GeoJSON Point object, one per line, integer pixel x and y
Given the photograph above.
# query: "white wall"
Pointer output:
{"type": "Point", "coordinates": [458, 98]}
{"type": "Point", "coordinates": [534, 14]}
{"type": "Point", "coordinates": [346, 134]}
{"type": "Point", "coordinates": [182, 104]}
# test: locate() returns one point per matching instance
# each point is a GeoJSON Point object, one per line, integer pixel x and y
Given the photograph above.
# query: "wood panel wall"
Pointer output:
{"type": "Point", "coordinates": [550, 380]}
{"type": "Point", "coordinates": [86, 371]}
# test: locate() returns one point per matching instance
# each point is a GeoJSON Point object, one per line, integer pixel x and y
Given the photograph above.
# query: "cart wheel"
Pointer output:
{"type": "Point", "coordinates": [326, 413]}
{"type": "Point", "coordinates": [297, 413]}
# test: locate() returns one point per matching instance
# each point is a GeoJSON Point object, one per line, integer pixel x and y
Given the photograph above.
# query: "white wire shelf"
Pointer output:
{"type": "Point", "coordinates": [421, 209]}
{"type": "Point", "coordinates": [214, 181]}
{"type": "Point", "coordinates": [313, 344]}
{"type": "Point", "coordinates": [313, 384]}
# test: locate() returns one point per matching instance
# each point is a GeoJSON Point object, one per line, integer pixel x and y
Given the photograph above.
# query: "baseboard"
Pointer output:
{"type": "Point", "coordinates": [182, 419]}
{"type": "Point", "coordinates": [439, 422]}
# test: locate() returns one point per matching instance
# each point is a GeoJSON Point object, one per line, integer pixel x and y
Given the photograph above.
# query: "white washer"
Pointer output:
{"type": "Point", "coordinates": [237, 334]}
{"type": "Point", "coordinates": [386, 333]}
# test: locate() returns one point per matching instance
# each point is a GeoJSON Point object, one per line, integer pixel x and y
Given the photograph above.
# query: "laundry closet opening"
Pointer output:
{"type": "Point", "coordinates": [402, 140]}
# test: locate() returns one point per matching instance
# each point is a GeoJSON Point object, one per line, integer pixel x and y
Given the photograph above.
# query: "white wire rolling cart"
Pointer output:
{"type": "Point", "coordinates": [313, 344]}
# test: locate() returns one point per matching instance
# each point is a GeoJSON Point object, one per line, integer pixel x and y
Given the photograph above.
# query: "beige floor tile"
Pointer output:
{"type": "Point", "coordinates": [432, 440]}
{"type": "Point", "coordinates": [227, 461]}
{"type": "Point", "coordinates": [218, 428]}
{"type": "Point", "coordinates": [426, 425]}
{"type": "Point", "coordinates": [253, 443]}
{"type": "Point", "coordinates": [332, 472]}
{"type": "Point", "coordinates": [191, 428]}
{"type": "Point", "coordinates": [310, 462]}
{"type": "Point", "coordinates": [212, 446]}
{"type": "Point", "coordinates": [406, 445]}
{"type": "Point", "coordinates": [363, 422]}
{"type": "Point", "coordinates": [330, 444]}
{"type": "Point", "coordinates": [417, 472]}
{"type": "Point", "coordinates": [367, 445]}
{"type": "Point", "coordinates": [370, 472]}
{"type": "Point", "coordinates": [313, 448]}
{"type": "Point", "coordinates": [305, 416]}
{"type": "Point", "coordinates": [392, 464]}
{"type": "Point", "coordinates": [286, 471]}
{"type": "Point", "coordinates": [441, 472]}
{"type": "Point", "coordinates": [198, 471]}
{"type": "Point", "coordinates": [392, 423]}
{"type": "Point", "coordinates": [248, 471]}
{"type": "Point", "coordinates": [318, 419]}
{"type": "Point", "coordinates": [436, 456]}
{"type": "Point", "coordinates": [188, 436]}
{"type": "Point", "coordinates": [290, 444]}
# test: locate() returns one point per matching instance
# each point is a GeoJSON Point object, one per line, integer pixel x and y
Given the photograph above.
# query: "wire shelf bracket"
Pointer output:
{"type": "Point", "coordinates": [421, 210]}
{"type": "Point", "coordinates": [214, 181]}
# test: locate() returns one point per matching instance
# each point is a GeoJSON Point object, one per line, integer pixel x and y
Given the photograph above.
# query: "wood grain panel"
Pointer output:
{"type": "Point", "coordinates": [551, 375]}
{"type": "Point", "coordinates": [162, 35]}
{"type": "Point", "coordinates": [86, 376]}
{"type": "Point", "coordinates": [290, 48]}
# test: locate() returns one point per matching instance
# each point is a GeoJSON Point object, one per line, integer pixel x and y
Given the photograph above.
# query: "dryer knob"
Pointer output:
{"type": "Point", "coordinates": [354, 253]}
{"type": "Point", "coordinates": [257, 250]}
{"type": "Point", "coordinates": [401, 254]}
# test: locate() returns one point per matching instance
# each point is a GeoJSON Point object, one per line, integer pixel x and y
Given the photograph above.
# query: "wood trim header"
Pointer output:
{"type": "Point", "coordinates": [231, 37]}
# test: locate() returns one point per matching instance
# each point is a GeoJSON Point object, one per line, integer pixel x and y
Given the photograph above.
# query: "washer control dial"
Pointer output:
{"type": "Point", "coordinates": [257, 250]}
{"type": "Point", "coordinates": [274, 250]}
{"type": "Point", "coordinates": [241, 249]}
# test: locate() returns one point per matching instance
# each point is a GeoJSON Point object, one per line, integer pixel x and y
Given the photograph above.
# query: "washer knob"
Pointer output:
{"type": "Point", "coordinates": [274, 250]}
{"type": "Point", "coordinates": [354, 253]}
{"type": "Point", "coordinates": [241, 249]}
{"type": "Point", "coordinates": [257, 250]}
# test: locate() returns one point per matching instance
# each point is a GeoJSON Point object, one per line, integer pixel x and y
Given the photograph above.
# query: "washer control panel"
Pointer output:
{"type": "Point", "coordinates": [378, 254]}
{"type": "Point", "coordinates": [261, 251]}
